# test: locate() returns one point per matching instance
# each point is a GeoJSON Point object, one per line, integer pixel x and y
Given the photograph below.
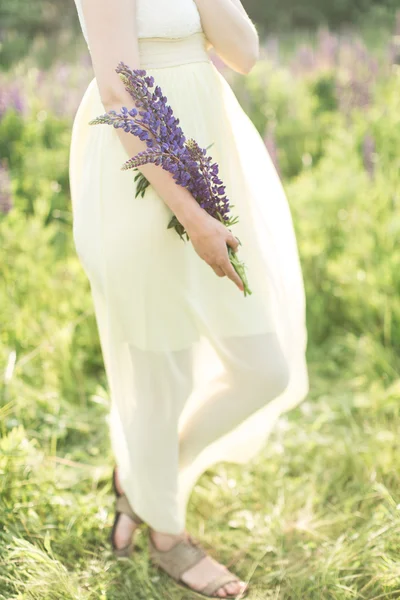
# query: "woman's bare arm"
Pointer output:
{"type": "Point", "coordinates": [231, 32]}
{"type": "Point", "coordinates": [112, 37]}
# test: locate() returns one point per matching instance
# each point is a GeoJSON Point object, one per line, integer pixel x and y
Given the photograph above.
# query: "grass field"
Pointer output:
{"type": "Point", "coordinates": [317, 515]}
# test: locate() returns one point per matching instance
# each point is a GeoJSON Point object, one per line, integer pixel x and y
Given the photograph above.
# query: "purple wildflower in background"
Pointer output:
{"type": "Point", "coordinates": [152, 120]}
{"type": "Point", "coordinates": [328, 49]}
{"type": "Point", "coordinates": [354, 68]}
{"type": "Point", "coordinates": [5, 189]}
{"type": "Point", "coordinates": [304, 60]}
{"type": "Point", "coordinates": [58, 90]}
{"type": "Point", "coordinates": [16, 100]}
{"type": "Point", "coordinates": [323, 57]}
{"type": "Point", "coordinates": [10, 97]}
{"type": "Point", "coordinates": [358, 72]}
{"type": "Point", "coordinates": [368, 150]}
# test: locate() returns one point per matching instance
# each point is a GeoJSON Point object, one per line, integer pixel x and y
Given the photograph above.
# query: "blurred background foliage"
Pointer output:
{"type": "Point", "coordinates": [325, 494]}
{"type": "Point", "coordinates": [48, 26]}
{"type": "Point", "coordinates": [52, 27]}
{"type": "Point", "coordinates": [286, 15]}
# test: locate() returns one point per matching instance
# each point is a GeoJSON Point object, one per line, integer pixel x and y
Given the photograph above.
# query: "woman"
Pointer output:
{"type": "Point", "coordinates": [197, 372]}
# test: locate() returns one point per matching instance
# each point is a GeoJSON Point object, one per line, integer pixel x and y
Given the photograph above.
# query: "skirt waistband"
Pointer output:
{"type": "Point", "coordinates": [157, 53]}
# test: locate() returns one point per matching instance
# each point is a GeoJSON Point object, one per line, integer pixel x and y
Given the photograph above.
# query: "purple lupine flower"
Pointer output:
{"type": "Point", "coordinates": [324, 56]}
{"type": "Point", "coordinates": [328, 48]}
{"type": "Point", "coordinates": [358, 72]}
{"type": "Point", "coordinates": [6, 203]}
{"type": "Point", "coordinates": [166, 143]}
{"type": "Point", "coordinates": [152, 120]}
{"type": "Point", "coordinates": [11, 98]}
{"type": "Point", "coordinates": [356, 69]}
{"type": "Point", "coordinates": [304, 60]}
{"type": "Point", "coordinates": [17, 99]}
{"type": "Point", "coordinates": [63, 99]}
{"type": "Point", "coordinates": [184, 159]}
{"type": "Point", "coordinates": [368, 151]}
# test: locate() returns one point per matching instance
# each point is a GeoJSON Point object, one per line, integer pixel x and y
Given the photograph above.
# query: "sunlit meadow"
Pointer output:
{"type": "Point", "coordinates": [317, 515]}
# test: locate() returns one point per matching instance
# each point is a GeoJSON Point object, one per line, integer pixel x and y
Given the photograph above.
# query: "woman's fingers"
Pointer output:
{"type": "Point", "coordinates": [218, 271]}
{"type": "Point", "coordinates": [233, 242]}
{"type": "Point", "coordinates": [231, 273]}
{"type": "Point", "coordinates": [228, 270]}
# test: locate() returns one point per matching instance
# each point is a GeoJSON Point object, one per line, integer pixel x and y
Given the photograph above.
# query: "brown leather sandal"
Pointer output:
{"type": "Point", "coordinates": [122, 506]}
{"type": "Point", "coordinates": [184, 555]}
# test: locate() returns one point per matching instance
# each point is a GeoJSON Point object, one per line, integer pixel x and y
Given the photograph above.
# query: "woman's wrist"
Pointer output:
{"type": "Point", "coordinates": [190, 214]}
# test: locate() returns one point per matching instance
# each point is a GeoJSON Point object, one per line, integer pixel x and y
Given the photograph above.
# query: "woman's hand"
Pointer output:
{"type": "Point", "coordinates": [210, 238]}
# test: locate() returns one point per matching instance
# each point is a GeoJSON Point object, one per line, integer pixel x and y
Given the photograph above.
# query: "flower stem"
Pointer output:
{"type": "Point", "coordinates": [240, 269]}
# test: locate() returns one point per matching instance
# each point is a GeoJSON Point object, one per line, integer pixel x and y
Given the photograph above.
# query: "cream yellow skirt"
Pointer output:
{"type": "Point", "coordinates": [197, 372]}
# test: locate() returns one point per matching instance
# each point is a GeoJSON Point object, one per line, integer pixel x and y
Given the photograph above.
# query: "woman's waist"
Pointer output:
{"type": "Point", "coordinates": [158, 53]}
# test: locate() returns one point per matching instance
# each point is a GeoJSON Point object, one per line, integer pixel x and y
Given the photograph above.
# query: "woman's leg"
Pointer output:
{"type": "Point", "coordinates": [164, 380]}
{"type": "Point", "coordinates": [255, 372]}
{"type": "Point", "coordinates": [157, 390]}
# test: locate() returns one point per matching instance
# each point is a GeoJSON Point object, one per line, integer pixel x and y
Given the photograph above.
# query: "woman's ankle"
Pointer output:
{"type": "Point", "coordinates": [165, 541]}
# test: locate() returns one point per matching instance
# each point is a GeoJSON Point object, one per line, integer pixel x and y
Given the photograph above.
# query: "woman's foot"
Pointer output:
{"type": "Point", "coordinates": [125, 526]}
{"type": "Point", "coordinates": [203, 572]}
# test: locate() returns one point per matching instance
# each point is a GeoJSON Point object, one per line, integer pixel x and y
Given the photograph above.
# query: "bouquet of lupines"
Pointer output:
{"type": "Point", "coordinates": [153, 121]}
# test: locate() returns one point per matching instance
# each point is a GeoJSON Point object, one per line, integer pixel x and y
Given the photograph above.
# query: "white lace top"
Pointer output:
{"type": "Point", "coordinates": [160, 18]}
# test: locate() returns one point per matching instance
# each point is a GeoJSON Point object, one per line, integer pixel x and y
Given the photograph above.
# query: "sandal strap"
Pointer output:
{"type": "Point", "coordinates": [124, 552]}
{"type": "Point", "coordinates": [181, 557]}
{"type": "Point", "coordinates": [217, 583]}
{"type": "Point", "coordinates": [122, 505]}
